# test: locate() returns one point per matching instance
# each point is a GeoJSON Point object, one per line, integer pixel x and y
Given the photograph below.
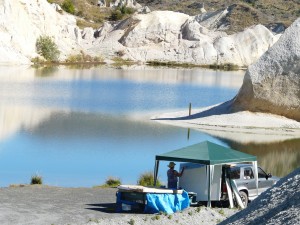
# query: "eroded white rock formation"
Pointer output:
{"type": "Point", "coordinates": [158, 35]}
{"type": "Point", "coordinates": [172, 36]}
{"type": "Point", "coordinates": [272, 84]}
{"type": "Point", "coordinates": [23, 21]}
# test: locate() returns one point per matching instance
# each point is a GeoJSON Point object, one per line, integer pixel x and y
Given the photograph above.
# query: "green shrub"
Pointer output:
{"type": "Point", "coordinates": [131, 222]}
{"type": "Point", "coordinates": [36, 179]}
{"type": "Point", "coordinates": [68, 6]}
{"type": "Point", "coordinates": [112, 182]}
{"type": "Point", "coordinates": [120, 12]}
{"type": "Point", "coordinates": [37, 60]}
{"type": "Point", "coordinates": [116, 15]}
{"type": "Point", "coordinates": [126, 10]}
{"type": "Point", "coordinates": [47, 48]}
{"type": "Point", "coordinates": [222, 212]}
{"type": "Point", "coordinates": [147, 179]}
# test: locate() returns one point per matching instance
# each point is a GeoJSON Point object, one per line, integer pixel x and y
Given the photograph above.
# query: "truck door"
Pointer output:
{"type": "Point", "coordinates": [263, 182]}
{"type": "Point", "coordinates": [249, 181]}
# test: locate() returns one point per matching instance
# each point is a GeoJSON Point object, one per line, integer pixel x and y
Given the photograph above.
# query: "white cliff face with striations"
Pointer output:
{"type": "Point", "coordinates": [172, 36]}
{"type": "Point", "coordinates": [272, 84]}
{"type": "Point", "coordinates": [23, 21]}
{"type": "Point", "coordinates": [158, 35]}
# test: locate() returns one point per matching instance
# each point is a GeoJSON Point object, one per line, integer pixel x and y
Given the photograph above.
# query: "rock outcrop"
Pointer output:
{"type": "Point", "coordinates": [172, 36]}
{"type": "Point", "coordinates": [272, 84]}
{"type": "Point", "coordinates": [23, 21]}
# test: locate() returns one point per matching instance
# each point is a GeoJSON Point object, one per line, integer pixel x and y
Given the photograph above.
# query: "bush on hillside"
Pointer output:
{"type": "Point", "coordinates": [120, 12]}
{"type": "Point", "coordinates": [68, 6]}
{"type": "Point", "coordinates": [116, 15]}
{"type": "Point", "coordinates": [47, 48]}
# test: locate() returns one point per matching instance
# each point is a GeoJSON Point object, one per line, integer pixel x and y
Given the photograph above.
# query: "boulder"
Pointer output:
{"type": "Point", "coordinates": [272, 84]}
{"type": "Point", "coordinates": [144, 10]}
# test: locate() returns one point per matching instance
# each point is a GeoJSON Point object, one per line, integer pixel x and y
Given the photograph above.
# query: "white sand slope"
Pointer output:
{"type": "Point", "coordinates": [220, 121]}
{"type": "Point", "coordinates": [278, 205]}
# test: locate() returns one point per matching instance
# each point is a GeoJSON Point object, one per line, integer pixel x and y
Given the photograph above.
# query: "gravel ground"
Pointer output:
{"type": "Point", "coordinates": [54, 205]}
{"type": "Point", "coordinates": [90, 206]}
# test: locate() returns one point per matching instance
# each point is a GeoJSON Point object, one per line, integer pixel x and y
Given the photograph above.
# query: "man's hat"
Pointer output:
{"type": "Point", "coordinates": [171, 164]}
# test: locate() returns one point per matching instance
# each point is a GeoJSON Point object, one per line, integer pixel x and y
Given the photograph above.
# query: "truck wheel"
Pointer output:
{"type": "Point", "coordinates": [244, 198]}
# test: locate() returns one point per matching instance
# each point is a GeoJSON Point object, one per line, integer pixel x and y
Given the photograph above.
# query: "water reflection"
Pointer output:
{"type": "Point", "coordinates": [228, 79]}
{"type": "Point", "coordinates": [279, 158]}
{"type": "Point", "coordinates": [83, 149]}
{"type": "Point", "coordinates": [76, 126]}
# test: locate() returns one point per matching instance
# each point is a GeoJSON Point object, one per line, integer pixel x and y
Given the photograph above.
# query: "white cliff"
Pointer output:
{"type": "Point", "coordinates": [172, 36]}
{"type": "Point", "coordinates": [158, 35]}
{"type": "Point", "coordinates": [23, 21]}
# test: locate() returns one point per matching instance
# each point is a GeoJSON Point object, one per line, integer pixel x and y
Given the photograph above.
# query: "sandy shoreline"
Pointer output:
{"type": "Point", "coordinates": [218, 121]}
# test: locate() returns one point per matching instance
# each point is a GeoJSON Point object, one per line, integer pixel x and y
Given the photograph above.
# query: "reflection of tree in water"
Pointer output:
{"type": "Point", "coordinates": [45, 71]}
{"type": "Point", "coordinates": [278, 158]}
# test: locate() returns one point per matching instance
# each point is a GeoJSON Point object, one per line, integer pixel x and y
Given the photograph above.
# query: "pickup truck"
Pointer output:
{"type": "Point", "coordinates": [243, 176]}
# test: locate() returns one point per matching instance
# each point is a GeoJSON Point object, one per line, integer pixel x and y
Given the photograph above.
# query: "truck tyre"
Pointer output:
{"type": "Point", "coordinates": [244, 198]}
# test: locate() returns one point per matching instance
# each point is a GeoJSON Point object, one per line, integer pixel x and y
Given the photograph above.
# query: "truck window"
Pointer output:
{"type": "Point", "coordinates": [234, 173]}
{"type": "Point", "coordinates": [248, 174]}
{"type": "Point", "coordinates": [261, 173]}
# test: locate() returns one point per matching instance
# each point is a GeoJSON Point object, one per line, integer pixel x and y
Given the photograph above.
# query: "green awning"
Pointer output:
{"type": "Point", "coordinates": [206, 153]}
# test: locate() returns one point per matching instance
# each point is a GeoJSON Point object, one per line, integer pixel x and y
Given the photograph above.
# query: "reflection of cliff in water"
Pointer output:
{"type": "Point", "coordinates": [278, 158]}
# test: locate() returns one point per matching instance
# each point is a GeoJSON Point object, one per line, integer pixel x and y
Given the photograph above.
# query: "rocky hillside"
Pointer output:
{"type": "Point", "coordinates": [276, 15]}
{"type": "Point", "coordinates": [272, 84]}
{"type": "Point", "coordinates": [243, 13]}
{"type": "Point", "coordinates": [177, 37]}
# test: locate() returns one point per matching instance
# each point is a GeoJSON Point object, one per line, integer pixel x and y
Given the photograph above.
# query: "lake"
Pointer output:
{"type": "Point", "coordinates": [78, 126]}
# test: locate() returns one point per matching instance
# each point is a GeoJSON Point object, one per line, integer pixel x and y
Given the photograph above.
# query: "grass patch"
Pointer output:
{"type": "Point", "coordinates": [226, 66]}
{"type": "Point", "coordinates": [156, 217]}
{"type": "Point", "coordinates": [198, 209]}
{"type": "Point", "coordinates": [147, 179]}
{"type": "Point", "coordinates": [68, 6]}
{"type": "Point", "coordinates": [221, 211]}
{"type": "Point", "coordinates": [171, 64]}
{"type": "Point", "coordinates": [118, 61]}
{"type": "Point", "coordinates": [84, 58]}
{"type": "Point", "coordinates": [131, 222]}
{"type": "Point", "coordinates": [36, 179]}
{"type": "Point", "coordinates": [111, 182]}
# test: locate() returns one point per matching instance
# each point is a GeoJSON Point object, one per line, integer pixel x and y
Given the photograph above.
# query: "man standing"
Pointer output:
{"type": "Point", "coordinates": [173, 176]}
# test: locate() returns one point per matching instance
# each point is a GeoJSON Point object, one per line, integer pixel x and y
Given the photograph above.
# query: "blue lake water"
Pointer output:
{"type": "Point", "coordinates": [77, 127]}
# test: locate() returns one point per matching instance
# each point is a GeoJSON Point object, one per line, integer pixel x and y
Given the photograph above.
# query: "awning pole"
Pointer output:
{"type": "Point", "coordinates": [254, 163]}
{"type": "Point", "coordinates": [209, 192]}
{"type": "Point", "coordinates": [156, 171]}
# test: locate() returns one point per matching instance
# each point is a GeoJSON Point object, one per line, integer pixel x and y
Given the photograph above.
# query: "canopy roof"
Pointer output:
{"type": "Point", "coordinates": [206, 153]}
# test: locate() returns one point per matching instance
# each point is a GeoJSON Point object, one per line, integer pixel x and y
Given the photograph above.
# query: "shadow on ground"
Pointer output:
{"type": "Point", "coordinates": [105, 207]}
{"type": "Point", "coordinates": [224, 108]}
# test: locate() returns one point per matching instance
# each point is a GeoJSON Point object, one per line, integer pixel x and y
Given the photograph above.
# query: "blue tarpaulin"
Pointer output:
{"type": "Point", "coordinates": [168, 203]}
